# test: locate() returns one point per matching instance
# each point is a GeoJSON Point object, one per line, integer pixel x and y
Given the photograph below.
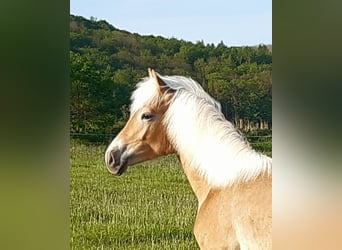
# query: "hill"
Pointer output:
{"type": "Point", "coordinates": [106, 63]}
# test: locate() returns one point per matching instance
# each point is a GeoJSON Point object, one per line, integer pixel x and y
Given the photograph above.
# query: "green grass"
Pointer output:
{"type": "Point", "coordinates": [152, 206]}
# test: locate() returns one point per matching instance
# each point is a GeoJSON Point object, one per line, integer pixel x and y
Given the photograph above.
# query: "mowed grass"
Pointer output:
{"type": "Point", "coordinates": [152, 206]}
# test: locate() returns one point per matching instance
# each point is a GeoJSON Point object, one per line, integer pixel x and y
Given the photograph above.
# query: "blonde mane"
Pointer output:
{"type": "Point", "coordinates": [199, 131]}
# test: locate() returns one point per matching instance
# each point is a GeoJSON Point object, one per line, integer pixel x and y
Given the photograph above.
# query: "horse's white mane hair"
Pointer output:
{"type": "Point", "coordinates": [199, 131]}
{"type": "Point", "coordinates": [146, 90]}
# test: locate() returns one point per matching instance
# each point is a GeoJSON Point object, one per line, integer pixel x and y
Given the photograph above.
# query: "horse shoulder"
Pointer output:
{"type": "Point", "coordinates": [251, 210]}
{"type": "Point", "coordinates": [237, 215]}
{"type": "Point", "coordinates": [213, 226]}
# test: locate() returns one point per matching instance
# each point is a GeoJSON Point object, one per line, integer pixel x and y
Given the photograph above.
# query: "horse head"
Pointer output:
{"type": "Point", "coordinates": [144, 136]}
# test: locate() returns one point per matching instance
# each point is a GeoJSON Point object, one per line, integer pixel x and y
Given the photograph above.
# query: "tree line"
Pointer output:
{"type": "Point", "coordinates": [106, 63]}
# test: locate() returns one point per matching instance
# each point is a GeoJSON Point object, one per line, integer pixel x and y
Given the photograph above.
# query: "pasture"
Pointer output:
{"type": "Point", "coordinates": [151, 207]}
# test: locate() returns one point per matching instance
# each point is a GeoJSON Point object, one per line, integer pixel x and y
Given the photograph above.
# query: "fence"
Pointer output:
{"type": "Point", "coordinates": [259, 142]}
{"type": "Point", "coordinates": [93, 138]}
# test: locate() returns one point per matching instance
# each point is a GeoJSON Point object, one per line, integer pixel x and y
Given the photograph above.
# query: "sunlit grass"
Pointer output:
{"type": "Point", "coordinates": [152, 206]}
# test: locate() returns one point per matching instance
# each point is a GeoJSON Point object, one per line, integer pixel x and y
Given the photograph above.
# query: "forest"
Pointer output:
{"type": "Point", "coordinates": [106, 63]}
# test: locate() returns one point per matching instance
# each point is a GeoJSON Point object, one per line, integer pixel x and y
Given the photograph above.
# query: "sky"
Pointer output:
{"type": "Point", "coordinates": [235, 23]}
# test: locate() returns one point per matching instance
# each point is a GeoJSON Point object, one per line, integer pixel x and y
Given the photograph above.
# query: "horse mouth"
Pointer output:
{"type": "Point", "coordinates": [122, 169]}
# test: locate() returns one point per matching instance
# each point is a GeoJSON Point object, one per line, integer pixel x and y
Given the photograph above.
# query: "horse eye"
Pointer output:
{"type": "Point", "coordinates": [146, 116]}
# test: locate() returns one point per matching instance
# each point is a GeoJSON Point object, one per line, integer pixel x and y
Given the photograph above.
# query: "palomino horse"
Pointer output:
{"type": "Point", "coordinates": [232, 182]}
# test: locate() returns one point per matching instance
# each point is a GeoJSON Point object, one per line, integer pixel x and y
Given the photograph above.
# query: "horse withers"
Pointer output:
{"type": "Point", "coordinates": [232, 182]}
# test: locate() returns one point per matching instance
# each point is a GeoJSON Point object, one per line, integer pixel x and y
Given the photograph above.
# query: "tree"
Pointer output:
{"type": "Point", "coordinates": [106, 63]}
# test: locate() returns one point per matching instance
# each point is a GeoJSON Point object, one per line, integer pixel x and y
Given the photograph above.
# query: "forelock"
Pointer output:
{"type": "Point", "coordinates": [145, 93]}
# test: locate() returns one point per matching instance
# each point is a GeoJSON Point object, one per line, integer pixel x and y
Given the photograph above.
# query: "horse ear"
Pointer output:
{"type": "Point", "coordinates": [160, 83]}
{"type": "Point", "coordinates": [149, 72]}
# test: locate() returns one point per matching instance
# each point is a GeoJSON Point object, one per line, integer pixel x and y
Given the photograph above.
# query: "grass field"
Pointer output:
{"type": "Point", "coordinates": [151, 207]}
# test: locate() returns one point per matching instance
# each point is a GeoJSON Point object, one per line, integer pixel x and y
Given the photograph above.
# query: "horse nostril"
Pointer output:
{"type": "Point", "coordinates": [114, 158]}
{"type": "Point", "coordinates": [111, 159]}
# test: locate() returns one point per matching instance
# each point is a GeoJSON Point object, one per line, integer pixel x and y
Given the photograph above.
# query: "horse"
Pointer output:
{"type": "Point", "coordinates": [232, 182]}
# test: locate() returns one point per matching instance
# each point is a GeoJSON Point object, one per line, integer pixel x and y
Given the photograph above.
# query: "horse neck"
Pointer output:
{"type": "Point", "coordinates": [198, 184]}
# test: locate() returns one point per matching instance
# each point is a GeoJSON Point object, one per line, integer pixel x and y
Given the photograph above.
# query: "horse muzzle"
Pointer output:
{"type": "Point", "coordinates": [117, 160]}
